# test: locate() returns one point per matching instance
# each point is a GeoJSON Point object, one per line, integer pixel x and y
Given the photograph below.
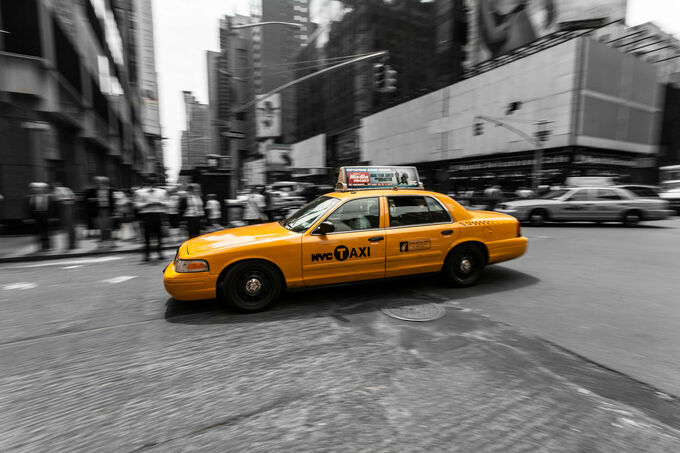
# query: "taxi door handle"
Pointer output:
{"type": "Point", "coordinates": [447, 232]}
{"type": "Point", "coordinates": [376, 238]}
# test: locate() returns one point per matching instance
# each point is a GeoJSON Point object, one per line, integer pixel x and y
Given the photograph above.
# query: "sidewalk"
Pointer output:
{"type": "Point", "coordinates": [20, 248]}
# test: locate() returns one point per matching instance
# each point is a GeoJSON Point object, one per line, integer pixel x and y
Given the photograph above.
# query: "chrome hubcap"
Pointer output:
{"type": "Point", "coordinates": [253, 286]}
{"type": "Point", "coordinates": [465, 265]}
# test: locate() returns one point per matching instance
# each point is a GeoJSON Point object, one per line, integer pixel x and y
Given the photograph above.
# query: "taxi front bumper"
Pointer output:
{"type": "Point", "coordinates": [189, 286]}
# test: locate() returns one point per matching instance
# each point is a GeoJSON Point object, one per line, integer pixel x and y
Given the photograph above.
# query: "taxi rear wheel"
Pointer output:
{"type": "Point", "coordinates": [251, 286]}
{"type": "Point", "coordinates": [464, 266]}
{"type": "Point", "coordinates": [538, 217]}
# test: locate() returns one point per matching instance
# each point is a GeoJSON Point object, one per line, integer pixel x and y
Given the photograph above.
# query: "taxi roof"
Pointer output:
{"type": "Point", "coordinates": [379, 192]}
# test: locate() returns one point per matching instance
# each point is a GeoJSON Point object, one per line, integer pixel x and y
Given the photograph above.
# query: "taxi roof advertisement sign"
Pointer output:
{"type": "Point", "coordinates": [379, 177]}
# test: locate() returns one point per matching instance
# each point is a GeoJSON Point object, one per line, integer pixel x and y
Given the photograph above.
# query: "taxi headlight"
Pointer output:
{"type": "Point", "coordinates": [185, 266]}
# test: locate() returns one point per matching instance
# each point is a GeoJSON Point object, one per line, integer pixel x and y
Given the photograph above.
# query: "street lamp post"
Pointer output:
{"type": "Point", "coordinates": [541, 136]}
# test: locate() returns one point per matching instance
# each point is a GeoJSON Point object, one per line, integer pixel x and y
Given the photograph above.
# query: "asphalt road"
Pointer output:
{"type": "Point", "coordinates": [609, 293]}
{"type": "Point", "coordinates": [94, 356]}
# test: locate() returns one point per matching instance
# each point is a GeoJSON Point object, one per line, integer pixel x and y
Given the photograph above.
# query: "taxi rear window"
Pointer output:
{"type": "Point", "coordinates": [415, 210]}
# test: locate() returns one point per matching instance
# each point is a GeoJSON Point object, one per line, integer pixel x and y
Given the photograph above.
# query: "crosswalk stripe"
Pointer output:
{"type": "Point", "coordinates": [120, 279]}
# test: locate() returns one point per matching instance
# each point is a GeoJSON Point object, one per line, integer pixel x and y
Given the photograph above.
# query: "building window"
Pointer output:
{"type": "Point", "coordinates": [20, 20]}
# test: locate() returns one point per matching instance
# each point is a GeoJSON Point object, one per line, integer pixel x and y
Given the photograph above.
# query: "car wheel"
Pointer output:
{"type": "Point", "coordinates": [631, 218]}
{"type": "Point", "coordinates": [251, 286]}
{"type": "Point", "coordinates": [464, 265]}
{"type": "Point", "coordinates": [537, 217]}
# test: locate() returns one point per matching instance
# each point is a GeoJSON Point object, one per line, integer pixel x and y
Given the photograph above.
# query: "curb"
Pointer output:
{"type": "Point", "coordinates": [32, 258]}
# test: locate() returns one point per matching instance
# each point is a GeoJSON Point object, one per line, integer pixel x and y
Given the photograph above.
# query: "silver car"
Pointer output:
{"type": "Point", "coordinates": [593, 204]}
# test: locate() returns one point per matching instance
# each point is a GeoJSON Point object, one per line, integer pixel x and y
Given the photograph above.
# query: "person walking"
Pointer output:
{"type": "Point", "coordinates": [254, 209]}
{"type": "Point", "coordinates": [192, 210]}
{"type": "Point", "coordinates": [214, 212]}
{"type": "Point", "coordinates": [39, 206]}
{"type": "Point", "coordinates": [65, 203]}
{"type": "Point", "coordinates": [152, 202]}
{"type": "Point", "coordinates": [101, 202]}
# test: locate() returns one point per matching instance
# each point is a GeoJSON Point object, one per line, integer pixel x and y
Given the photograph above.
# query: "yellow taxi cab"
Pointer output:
{"type": "Point", "coordinates": [379, 223]}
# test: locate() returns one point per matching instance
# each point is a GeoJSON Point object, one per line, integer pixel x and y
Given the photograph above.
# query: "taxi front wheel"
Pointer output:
{"type": "Point", "coordinates": [251, 286]}
{"type": "Point", "coordinates": [464, 265]}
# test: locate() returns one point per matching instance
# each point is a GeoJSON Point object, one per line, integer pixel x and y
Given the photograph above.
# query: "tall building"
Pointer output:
{"type": "Point", "coordinates": [334, 103]}
{"type": "Point", "coordinates": [196, 138]}
{"type": "Point", "coordinates": [213, 60]}
{"type": "Point", "coordinates": [147, 79]}
{"type": "Point", "coordinates": [69, 104]}
{"type": "Point", "coordinates": [275, 48]}
{"type": "Point", "coordinates": [230, 87]}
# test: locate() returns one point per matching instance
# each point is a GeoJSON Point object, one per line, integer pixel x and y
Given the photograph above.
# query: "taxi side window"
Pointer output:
{"type": "Point", "coordinates": [361, 214]}
{"type": "Point", "coordinates": [580, 195]}
{"type": "Point", "coordinates": [607, 194]}
{"type": "Point", "coordinates": [415, 211]}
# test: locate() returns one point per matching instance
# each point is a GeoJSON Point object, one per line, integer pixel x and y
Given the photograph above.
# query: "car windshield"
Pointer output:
{"type": "Point", "coordinates": [305, 217]}
{"type": "Point", "coordinates": [554, 194]}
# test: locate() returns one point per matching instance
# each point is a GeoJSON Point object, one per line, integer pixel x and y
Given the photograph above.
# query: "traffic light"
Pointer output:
{"type": "Point", "coordinates": [542, 135]}
{"type": "Point", "coordinates": [390, 79]}
{"type": "Point", "coordinates": [478, 128]}
{"type": "Point", "coordinates": [379, 71]}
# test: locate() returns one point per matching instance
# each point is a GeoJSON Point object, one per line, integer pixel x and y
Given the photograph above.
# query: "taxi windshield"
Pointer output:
{"type": "Point", "coordinates": [305, 217]}
{"type": "Point", "coordinates": [554, 194]}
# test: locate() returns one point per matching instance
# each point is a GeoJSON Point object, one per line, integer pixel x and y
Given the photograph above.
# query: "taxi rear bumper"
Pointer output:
{"type": "Point", "coordinates": [507, 249]}
{"type": "Point", "coordinates": [189, 286]}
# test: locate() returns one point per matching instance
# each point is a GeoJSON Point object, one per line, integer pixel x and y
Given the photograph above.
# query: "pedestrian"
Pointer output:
{"type": "Point", "coordinates": [254, 209]}
{"type": "Point", "coordinates": [213, 210]}
{"type": "Point", "coordinates": [39, 207]}
{"type": "Point", "coordinates": [101, 202]}
{"type": "Point", "coordinates": [493, 196]}
{"type": "Point", "coordinates": [65, 203]}
{"type": "Point", "coordinates": [173, 213]}
{"type": "Point", "coordinates": [192, 210]}
{"type": "Point", "coordinates": [151, 202]}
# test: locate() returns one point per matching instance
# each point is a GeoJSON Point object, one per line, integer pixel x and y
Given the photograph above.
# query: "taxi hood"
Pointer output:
{"type": "Point", "coordinates": [237, 236]}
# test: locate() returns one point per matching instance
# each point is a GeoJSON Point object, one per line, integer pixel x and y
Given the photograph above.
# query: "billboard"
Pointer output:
{"type": "Point", "coordinates": [268, 116]}
{"type": "Point", "coordinates": [379, 177]}
{"type": "Point", "coordinates": [501, 26]}
{"type": "Point", "coordinates": [278, 157]}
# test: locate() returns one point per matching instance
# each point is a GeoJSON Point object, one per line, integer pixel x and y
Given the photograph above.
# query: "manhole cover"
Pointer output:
{"type": "Point", "coordinates": [415, 312]}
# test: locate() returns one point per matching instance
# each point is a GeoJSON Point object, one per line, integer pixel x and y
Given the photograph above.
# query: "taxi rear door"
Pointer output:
{"type": "Point", "coordinates": [419, 233]}
{"type": "Point", "coordinates": [354, 251]}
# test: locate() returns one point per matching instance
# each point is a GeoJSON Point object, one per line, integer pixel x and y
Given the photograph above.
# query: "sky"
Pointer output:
{"type": "Point", "coordinates": [185, 29]}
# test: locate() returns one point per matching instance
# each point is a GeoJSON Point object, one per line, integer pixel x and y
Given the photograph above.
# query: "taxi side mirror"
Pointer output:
{"type": "Point", "coordinates": [325, 227]}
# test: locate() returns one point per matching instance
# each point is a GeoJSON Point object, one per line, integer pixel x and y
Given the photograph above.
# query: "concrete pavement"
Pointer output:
{"type": "Point", "coordinates": [96, 357]}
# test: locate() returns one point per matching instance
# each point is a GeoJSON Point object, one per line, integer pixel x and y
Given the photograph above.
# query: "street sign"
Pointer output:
{"type": "Point", "coordinates": [239, 135]}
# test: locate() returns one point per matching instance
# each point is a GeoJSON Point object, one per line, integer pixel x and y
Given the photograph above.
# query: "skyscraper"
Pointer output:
{"type": "Point", "coordinates": [196, 137]}
{"type": "Point", "coordinates": [275, 48]}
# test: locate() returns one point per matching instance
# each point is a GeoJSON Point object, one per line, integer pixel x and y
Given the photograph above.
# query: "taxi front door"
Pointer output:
{"type": "Point", "coordinates": [354, 251]}
{"type": "Point", "coordinates": [419, 234]}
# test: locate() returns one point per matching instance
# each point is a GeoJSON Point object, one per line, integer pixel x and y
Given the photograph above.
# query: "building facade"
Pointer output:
{"type": "Point", "coordinates": [424, 41]}
{"type": "Point", "coordinates": [275, 48]}
{"type": "Point", "coordinates": [196, 143]}
{"type": "Point", "coordinates": [69, 105]}
{"type": "Point", "coordinates": [601, 109]}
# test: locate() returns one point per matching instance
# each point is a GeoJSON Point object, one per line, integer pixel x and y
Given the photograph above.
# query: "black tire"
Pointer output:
{"type": "Point", "coordinates": [251, 286]}
{"type": "Point", "coordinates": [538, 217]}
{"type": "Point", "coordinates": [631, 218]}
{"type": "Point", "coordinates": [464, 266]}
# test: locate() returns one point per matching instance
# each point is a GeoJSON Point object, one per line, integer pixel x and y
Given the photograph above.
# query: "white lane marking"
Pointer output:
{"type": "Point", "coordinates": [72, 262]}
{"type": "Point", "coordinates": [73, 267]}
{"type": "Point", "coordinates": [20, 285]}
{"type": "Point", "coordinates": [121, 279]}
